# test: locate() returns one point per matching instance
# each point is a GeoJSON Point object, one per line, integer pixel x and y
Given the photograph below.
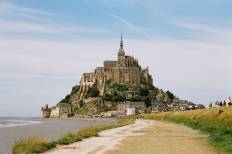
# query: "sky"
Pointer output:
{"type": "Point", "coordinates": [45, 46]}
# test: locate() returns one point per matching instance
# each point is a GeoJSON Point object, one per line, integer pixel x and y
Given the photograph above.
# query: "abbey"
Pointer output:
{"type": "Point", "coordinates": [116, 87]}
{"type": "Point", "coordinates": [125, 70]}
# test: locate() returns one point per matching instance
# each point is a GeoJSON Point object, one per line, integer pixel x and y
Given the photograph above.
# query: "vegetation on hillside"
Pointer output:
{"type": "Point", "coordinates": [39, 144]}
{"type": "Point", "coordinates": [68, 97]}
{"type": "Point", "coordinates": [93, 91]}
{"type": "Point", "coordinates": [83, 110]}
{"type": "Point", "coordinates": [215, 121]}
{"type": "Point", "coordinates": [135, 93]}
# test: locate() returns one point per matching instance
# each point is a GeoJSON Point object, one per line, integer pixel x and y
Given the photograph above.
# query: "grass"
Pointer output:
{"type": "Point", "coordinates": [217, 122]}
{"type": "Point", "coordinates": [33, 145]}
{"type": "Point", "coordinates": [41, 144]}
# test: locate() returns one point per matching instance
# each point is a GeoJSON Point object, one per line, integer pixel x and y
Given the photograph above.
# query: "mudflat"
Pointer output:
{"type": "Point", "coordinates": [51, 128]}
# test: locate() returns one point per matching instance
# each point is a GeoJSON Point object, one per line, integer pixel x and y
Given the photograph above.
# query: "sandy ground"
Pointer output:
{"type": "Point", "coordinates": [106, 140]}
{"type": "Point", "coordinates": [143, 137]}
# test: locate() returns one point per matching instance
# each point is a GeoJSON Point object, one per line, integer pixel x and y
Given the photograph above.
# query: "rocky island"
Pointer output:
{"type": "Point", "coordinates": [118, 88]}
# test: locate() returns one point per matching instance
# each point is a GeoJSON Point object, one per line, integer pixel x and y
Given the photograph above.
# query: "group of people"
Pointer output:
{"type": "Point", "coordinates": [226, 102]}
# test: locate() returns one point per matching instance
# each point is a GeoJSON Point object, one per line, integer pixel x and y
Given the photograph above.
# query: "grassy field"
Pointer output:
{"type": "Point", "coordinates": [40, 144]}
{"type": "Point", "coordinates": [217, 122]}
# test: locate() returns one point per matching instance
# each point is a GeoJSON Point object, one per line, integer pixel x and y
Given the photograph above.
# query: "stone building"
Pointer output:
{"type": "Point", "coordinates": [46, 111]}
{"type": "Point", "coordinates": [124, 70]}
{"type": "Point", "coordinates": [61, 110]}
{"type": "Point", "coordinates": [123, 106]}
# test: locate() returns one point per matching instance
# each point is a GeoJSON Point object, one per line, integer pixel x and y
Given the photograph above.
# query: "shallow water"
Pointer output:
{"type": "Point", "coordinates": [13, 122]}
{"type": "Point", "coordinates": [13, 129]}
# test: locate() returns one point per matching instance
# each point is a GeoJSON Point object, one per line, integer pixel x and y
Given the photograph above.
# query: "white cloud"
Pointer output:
{"type": "Point", "coordinates": [13, 27]}
{"type": "Point", "coordinates": [129, 24]}
{"type": "Point", "coordinates": [208, 31]}
{"type": "Point", "coordinates": [15, 9]}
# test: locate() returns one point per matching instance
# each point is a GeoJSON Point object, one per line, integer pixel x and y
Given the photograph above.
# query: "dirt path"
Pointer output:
{"type": "Point", "coordinates": [107, 140]}
{"type": "Point", "coordinates": [165, 138]}
{"type": "Point", "coordinates": [143, 137]}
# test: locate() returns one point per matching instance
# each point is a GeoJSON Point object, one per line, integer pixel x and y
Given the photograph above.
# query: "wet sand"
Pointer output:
{"type": "Point", "coordinates": [51, 128]}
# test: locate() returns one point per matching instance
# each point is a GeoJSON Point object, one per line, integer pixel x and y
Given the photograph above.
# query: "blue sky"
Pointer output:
{"type": "Point", "coordinates": [45, 46]}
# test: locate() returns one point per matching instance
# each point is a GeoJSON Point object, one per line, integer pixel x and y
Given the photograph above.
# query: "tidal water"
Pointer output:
{"type": "Point", "coordinates": [13, 129]}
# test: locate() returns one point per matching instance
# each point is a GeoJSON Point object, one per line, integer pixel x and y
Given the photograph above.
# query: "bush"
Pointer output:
{"type": "Point", "coordinates": [147, 101]}
{"type": "Point", "coordinates": [136, 99]}
{"type": "Point", "coordinates": [84, 110]}
{"type": "Point", "coordinates": [170, 95]}
{"type": "Point", "coordinates": [118, 98]}
{"type": "Point", "coordinates": [107, 97]}
{"type": "Point", "coordinates": [143, 91]}
{"type": "Point", "coordinates": [120, 87]}
{"type": "Point", "coordinates": [93, 91]}
{"type": "Point", "coordinates": [33, 145]}
{"type": "Point", "coordinates": [75, 89]}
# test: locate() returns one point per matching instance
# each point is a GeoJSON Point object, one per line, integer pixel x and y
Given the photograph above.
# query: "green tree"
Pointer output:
{"type": "Point", "coordinates": [135, 99]}
{"type": "Point", "coordinates": [120, 87]}
{"type": "Point", "coordinates": [118, 98]}
{"type": "Point", "coordinates": [81, 103]}
{"type": "Point", "coordinates": [75, 89]}
{"type": "Point", "coordinates": [143, 91]}
{"type": "Point", "coordinates": [170, 95]}
{"type": "Point", "coordinates": [93, 91]}
{"type": "Point", "coordinates": [107, 97]}
{"type": "Point", "coordinates": [147, 101]}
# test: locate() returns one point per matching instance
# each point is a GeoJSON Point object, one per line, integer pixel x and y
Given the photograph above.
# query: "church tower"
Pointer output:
{"type": "Point", "coordinates": [121, 55]}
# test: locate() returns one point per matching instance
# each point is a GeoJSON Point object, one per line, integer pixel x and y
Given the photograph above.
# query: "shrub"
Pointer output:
{"type": "Point", "coordinates": [93, 91]}
{"type": "Point", "coordinates": [170, 95]}
{"type": "Point", "coordinates": [147, 101]}
{"type": "Point", "coordinates": [75, 89]}
{"type": "Point", "coordinates": [143, 92]}
{"type": "Point", "coordinates": [120, 87]}
{"type": "Point", "coordinates": [118, 98]}
{"type": "Point", "coordinates": [136, 99]}
{"type": "Point", "coordinates": [32, 145]}
{"type": "Point", "coordinates": [107, 97]}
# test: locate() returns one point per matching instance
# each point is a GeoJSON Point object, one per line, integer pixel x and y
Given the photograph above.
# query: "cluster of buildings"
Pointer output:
{"type": "Point", "coordinates": [125, 70]}
{"type": "Point", "coordinates": [132, 108]}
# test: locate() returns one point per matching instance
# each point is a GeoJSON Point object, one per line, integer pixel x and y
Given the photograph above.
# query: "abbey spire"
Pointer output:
{"type": "Point", "coordinates": [121, 42]}
{"type": "Point", "coordinates": [121, 50]}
